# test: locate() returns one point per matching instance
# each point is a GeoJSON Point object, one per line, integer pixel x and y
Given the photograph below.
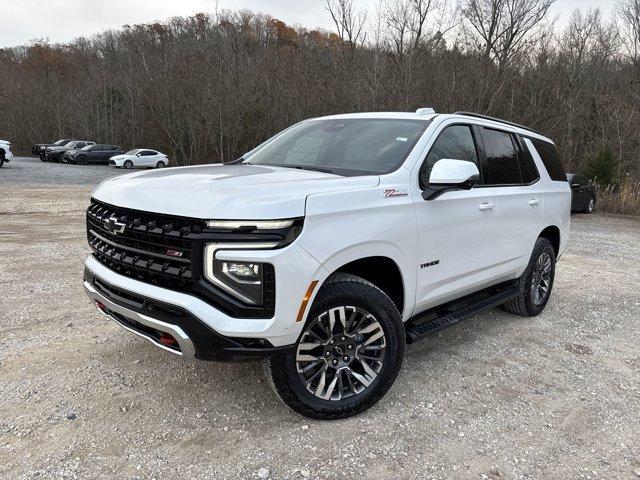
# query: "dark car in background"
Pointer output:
{"type": "Point", "coordinates": [583, 194]}
{"type": "Point", "coordinates": [39, 148]}
{"type": "Point", "coordinates": [54, 154]}
{"type": "Point", "coordinates": [99, 153]}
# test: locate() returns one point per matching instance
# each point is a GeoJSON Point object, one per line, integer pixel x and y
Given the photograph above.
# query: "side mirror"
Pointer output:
{"type": "Point", "coordinates": [448, 174]}
{"type": "Point", "coordinates": [138, 154]}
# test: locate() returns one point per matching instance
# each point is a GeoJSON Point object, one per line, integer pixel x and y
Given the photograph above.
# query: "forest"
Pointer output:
{"type": "Point", "coordinates": [209, 87]}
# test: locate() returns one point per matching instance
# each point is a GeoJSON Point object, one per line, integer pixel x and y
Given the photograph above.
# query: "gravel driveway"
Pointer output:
{"type": "Point", "coordinates": [496, 397]}
{"type": "Point", "coordinates": [33, 171]}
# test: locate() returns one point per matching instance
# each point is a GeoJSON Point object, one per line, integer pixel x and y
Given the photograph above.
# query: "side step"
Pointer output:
{"type": "Point", "coordinates": [439, 318]}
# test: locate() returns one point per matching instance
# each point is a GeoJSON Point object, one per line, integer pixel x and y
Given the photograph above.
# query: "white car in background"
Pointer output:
{"type": "Point", "coordinates": [140, 157]}
{"type": "Point", "coordinates": [5, 152]}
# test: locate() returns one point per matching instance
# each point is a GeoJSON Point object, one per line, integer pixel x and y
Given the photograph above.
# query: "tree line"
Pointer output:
{"type": "Point", "coordinates": [209, 87]}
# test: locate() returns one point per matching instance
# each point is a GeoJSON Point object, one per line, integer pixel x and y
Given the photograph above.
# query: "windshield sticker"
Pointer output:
{"type": "Point", "coordinates": [401, 139]}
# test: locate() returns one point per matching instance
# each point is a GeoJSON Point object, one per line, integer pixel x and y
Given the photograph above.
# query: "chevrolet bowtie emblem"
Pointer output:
{"type": "Point", "coordinates": [114, 226]}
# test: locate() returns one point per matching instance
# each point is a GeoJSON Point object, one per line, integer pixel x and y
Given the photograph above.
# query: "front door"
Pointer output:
{"type": "Point", "coordinates": [456, 231]}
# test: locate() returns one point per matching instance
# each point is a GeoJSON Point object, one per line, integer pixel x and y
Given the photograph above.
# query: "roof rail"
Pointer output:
{"type": "Point", "coordinates": [499, 120]}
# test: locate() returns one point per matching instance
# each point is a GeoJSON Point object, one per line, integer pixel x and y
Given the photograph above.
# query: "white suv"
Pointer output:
{"type": "Point", "coordinates": [5, 152]}
{"type": "Point", "coordinates": [330, 246]}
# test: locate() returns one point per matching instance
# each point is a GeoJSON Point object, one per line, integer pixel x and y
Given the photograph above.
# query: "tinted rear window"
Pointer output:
{"type": "Point", "coordinates": [502, 160]}
{"type": "Point", "coordinates": [550, 158]}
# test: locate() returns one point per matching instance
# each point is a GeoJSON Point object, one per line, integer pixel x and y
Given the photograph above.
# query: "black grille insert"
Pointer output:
{"type": "Point", "coordinates": [167, 251]}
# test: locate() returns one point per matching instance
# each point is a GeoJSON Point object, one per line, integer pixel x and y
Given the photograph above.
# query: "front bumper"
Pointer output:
{"type": "Point", "coordinates": [211, 332]}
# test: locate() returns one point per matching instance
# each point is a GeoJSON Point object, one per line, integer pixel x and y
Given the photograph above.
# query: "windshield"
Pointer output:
{"type": "Point", "coordinates": [60, 142]}
{"type": "Point", "coordinates": [132, 152]}
{"type": "Point", "coordinates": [87, 147]}
{"type": "Point", "coordinates": [343, 147]}
{"type": "Point", "coordinates": [70, 144]}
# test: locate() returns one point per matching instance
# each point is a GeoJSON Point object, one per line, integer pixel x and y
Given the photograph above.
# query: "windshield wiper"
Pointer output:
{"type": "Point", "coordinates": [309, 167]}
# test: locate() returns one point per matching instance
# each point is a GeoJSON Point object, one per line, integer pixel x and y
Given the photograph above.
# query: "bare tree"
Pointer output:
{"type": "Point", "coordinates": [349, 21]}
{"type": "Point", "coordinates": [629, 13]}
{"type": "Point", "coordinates": [503, 29]}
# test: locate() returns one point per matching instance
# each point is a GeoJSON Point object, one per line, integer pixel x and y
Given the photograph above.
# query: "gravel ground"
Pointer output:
{"type": "Point", "coordinates": [496, 397]}
{"type": "Point", "coordinates": [32, 171]}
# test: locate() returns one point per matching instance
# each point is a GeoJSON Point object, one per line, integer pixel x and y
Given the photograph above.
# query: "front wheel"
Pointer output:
{"type": "Point", "coordinates": [536, 281]}
{"type": "Point", "coordinates": [128, 164]}
{"type": "Point", "coordinates": [348, 355]}
{"type": "Point", "coordinates": [1, 159]}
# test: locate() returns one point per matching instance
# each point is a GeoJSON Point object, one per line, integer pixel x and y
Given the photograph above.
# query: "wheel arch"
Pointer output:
{"type": "Point", "coordinates": [552, 233]}
{"type": "Point", "coordinates": [382, 271]}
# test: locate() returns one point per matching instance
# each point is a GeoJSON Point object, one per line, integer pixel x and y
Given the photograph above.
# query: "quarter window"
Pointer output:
{"type": "Point", "coordinates": [456, 143]}
{"type": "Point", "coordinates": [550, 158]}
{"type": "Point", "coordinates": [502, 160]}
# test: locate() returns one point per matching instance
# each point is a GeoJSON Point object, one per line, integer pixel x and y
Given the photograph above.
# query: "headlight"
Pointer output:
{"type": "Point", "coordinates": [244, 280]}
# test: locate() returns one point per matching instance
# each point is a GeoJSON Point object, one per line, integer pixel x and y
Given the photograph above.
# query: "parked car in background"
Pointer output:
{"type": "Point", "coordinates": [140, 157]}
{"type": "Point", "coordinates": [54, 154]}
{"type": "Point", "coordinates": [5, 152]}
{"type": "Point", "coordinates": [99, 153]}
{"type": "Point", "coordinates": [583, 194]}
{"type": "Point", "coordinates": [39, 148]}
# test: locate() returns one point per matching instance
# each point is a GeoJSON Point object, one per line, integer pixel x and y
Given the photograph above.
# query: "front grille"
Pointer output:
{"type": "Point", "coordinates": [167, 251]}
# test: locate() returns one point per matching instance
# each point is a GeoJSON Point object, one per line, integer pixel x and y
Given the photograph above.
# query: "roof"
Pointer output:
{"type": "Point", "coordinates": [466, 116]}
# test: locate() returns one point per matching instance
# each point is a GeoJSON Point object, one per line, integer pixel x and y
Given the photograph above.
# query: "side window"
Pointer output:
{"type": "Point", "coordinates": [148, 153]}
{"type": "Point", "coordinates": [528, 167]}
{"type": "Point", "coordinates": [80, 145]}
{"type": "Point", "coordinates": [502, 160]}
{"type": "Point", "coordinates": [454, 142]}
{"type": "Point", "coordinates": [551, 159]}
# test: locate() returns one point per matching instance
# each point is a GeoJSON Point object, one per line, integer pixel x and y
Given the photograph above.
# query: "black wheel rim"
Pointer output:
{"type": "Point", "coordinates": [541, 280]}
{"type": "Point", "coordinates": [341, 352]}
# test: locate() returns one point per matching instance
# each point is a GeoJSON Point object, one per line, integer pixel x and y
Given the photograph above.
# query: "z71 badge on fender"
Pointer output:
{"type": "Point", "coordinates": [395, 192]}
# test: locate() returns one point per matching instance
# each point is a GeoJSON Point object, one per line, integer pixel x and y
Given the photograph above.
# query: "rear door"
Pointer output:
{"type": "Point", "coordinates": [456, 231]}
{"type": "Point", "coordinates": [511, 171]}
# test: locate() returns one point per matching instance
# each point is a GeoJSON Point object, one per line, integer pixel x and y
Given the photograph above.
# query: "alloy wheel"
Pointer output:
{"type": "Point", "coordinates": [541, 280]}
{"type": "Point", "coordinates": [340, 353]}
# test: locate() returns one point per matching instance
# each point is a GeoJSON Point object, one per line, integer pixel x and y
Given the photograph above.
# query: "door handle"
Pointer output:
{"type": "Point", "coordinates": [486, 206]}
{"type": "Point", "coordinates": [534, 202]}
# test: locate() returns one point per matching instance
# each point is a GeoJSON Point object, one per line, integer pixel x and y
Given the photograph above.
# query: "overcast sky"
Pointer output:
{"type": "Point", "coordinates": [62, 20]}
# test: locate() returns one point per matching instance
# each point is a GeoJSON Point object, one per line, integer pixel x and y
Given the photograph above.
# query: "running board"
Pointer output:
{"type": "Point", "coordinates": [439, 318]}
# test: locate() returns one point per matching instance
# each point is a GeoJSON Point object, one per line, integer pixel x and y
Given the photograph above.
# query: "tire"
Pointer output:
{"type": "Point", "coordinates": [128, 164]}
{"type": "Point", "coordinates": [1, 159]}
{"type": "Point", "coordinates": [590, 206]}
{"type": "Point", "coordinates": [43, 158]}
{"type": "Point", "coordinates": [160, 164]}
{"type": "Point", "coordinates": [81, 160]}
{"type": "Point", "coordinates": [350, 298]}
{"type": "Point", "coordinates": [542, 265]}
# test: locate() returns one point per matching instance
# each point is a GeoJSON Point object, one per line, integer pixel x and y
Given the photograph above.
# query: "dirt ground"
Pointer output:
{"type": "Point", "coordinates": [498, 396]}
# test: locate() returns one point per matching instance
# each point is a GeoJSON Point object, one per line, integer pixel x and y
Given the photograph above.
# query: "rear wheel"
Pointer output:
{"type": "Point", "coordinates": [591, 206]}
{"type": "Point", "coordinates": [128, 164]}
{"type": "Point", "coordinates": [160, 164]}
{"type": "Point", "coordinates": [348, 355]}
{"type": "Point", "coordinates": [536, 281]}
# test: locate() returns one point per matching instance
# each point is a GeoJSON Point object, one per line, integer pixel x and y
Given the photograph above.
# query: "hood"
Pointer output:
{"type": "Point", "coordinates": [119, 156]}
{"type": "Point", "coordinates": [52, 148]}
{"type": "Point", "coordinates": [225, 192]}
{"type": "Point", "coordinates": [7, 142]}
